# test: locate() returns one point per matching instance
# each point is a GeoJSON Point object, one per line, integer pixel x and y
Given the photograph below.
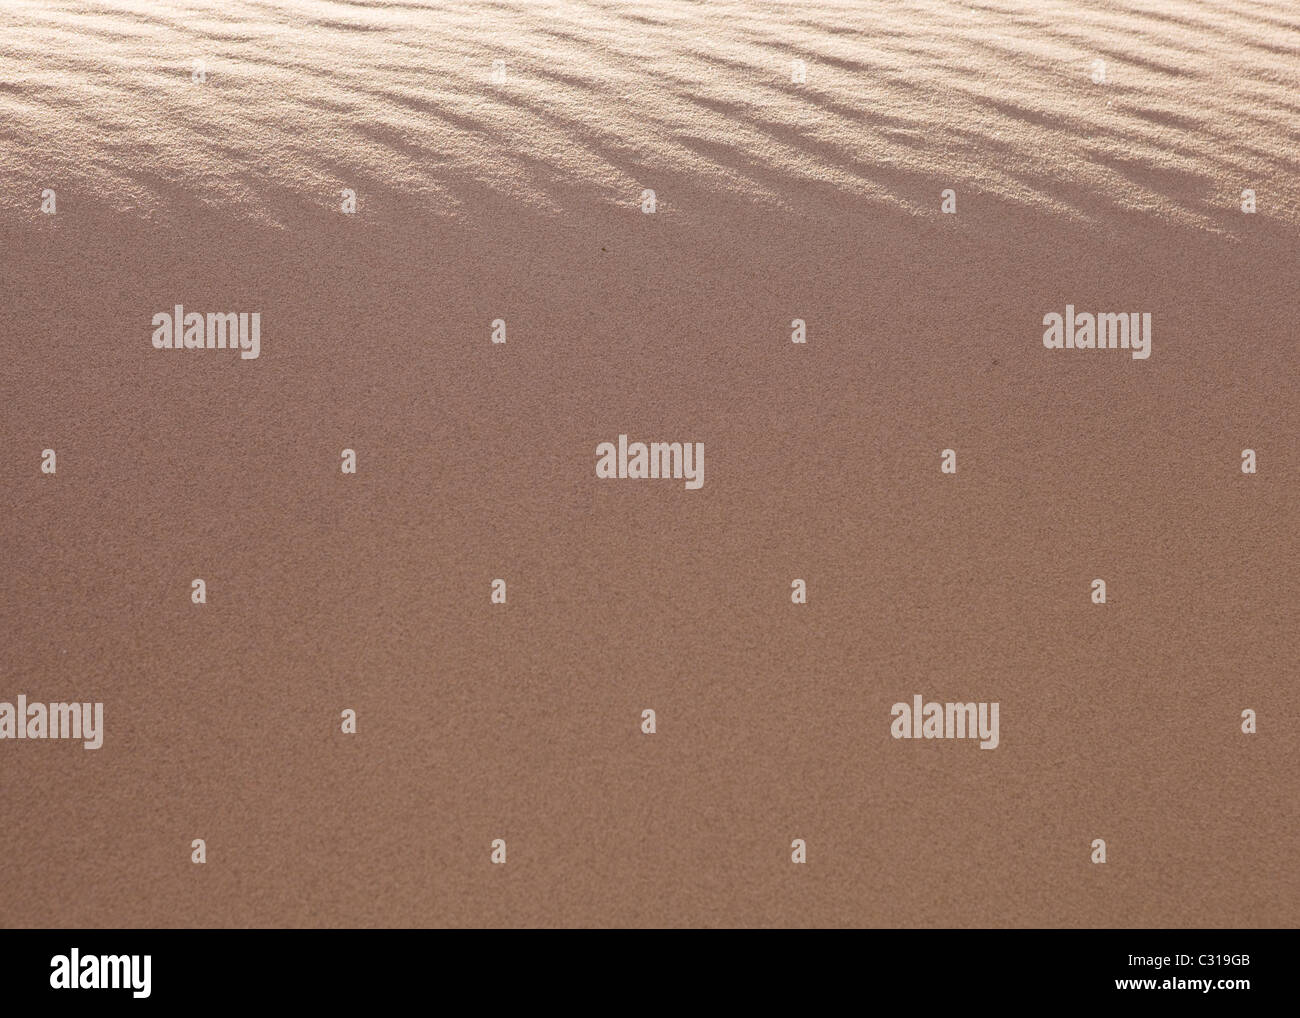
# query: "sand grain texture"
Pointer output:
{"type": "Point", "coordinates": [520, 200]}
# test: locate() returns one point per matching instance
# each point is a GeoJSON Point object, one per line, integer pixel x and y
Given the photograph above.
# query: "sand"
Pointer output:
{"type": "Point", "coordinates": [520, 199]}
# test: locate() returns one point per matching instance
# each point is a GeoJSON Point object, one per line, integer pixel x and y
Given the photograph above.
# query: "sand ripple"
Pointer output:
{"type": "Point", "coordinates": [604, 98]}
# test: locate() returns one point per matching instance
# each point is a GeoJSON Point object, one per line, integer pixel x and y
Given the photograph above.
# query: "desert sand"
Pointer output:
{"type": "Point", "coordinates": [480, 197]}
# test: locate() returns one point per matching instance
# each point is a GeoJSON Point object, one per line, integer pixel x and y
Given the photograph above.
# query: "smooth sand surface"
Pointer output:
{"type": "Point", "coordinates": [520, 200]}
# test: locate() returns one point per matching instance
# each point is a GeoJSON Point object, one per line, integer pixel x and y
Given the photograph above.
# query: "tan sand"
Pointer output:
{"type": "Point", "coordinates": [521, 200]}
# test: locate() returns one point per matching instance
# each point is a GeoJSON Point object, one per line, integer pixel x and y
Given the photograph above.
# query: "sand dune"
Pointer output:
{"type": "Point", "coordinates": [601, 99]}
{"type": "Point", "coordinates": [518, 200]}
